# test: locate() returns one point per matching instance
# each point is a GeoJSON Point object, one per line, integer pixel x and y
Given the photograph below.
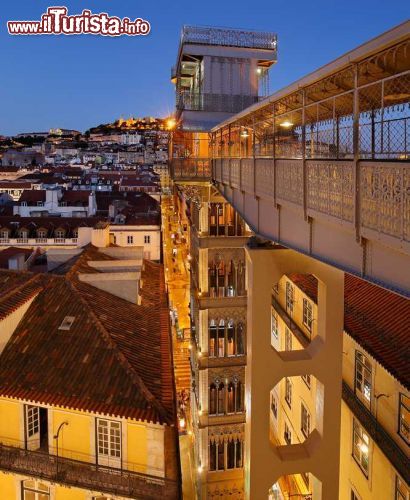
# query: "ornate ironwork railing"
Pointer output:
{"type": "Point", "coordinates": [191, 169]}
{"type": "Point", "coordinates": [382, 194]}
{"type": "Point", "coordinates": [227, 103]}
{"type": "Point", "coordinates": [228, 37]}
{"type": "Point", "coordinates": [375, 430]}
{"type": "Point", "coordinates": [90, 476]}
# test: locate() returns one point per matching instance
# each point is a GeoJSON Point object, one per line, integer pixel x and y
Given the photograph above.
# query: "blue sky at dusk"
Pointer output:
{"type": "Point", "coordinates": [80, 81]}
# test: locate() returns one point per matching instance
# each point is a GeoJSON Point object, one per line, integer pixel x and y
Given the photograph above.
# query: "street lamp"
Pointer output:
{"type": "Point", "coordinates": [56, 438]}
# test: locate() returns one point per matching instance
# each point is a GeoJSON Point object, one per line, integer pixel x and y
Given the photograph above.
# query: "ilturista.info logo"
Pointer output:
{"type": "Point", "coordinates": [56, 21]}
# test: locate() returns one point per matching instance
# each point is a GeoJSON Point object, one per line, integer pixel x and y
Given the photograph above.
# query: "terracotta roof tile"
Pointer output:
{"type": "Point", "coordinates": [378, 319]}
{"type": "Point", "coordinates": [115, 359]}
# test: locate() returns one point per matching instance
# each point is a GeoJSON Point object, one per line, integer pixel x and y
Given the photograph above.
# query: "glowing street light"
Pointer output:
{"type": "Point", "coordinates": [286, 124]}
{"type": "Point", "coordinates": [171, 123]}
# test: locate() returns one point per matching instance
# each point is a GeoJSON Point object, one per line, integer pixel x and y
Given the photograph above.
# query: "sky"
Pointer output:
{"type": "Point", "coordinates": [81, 81]}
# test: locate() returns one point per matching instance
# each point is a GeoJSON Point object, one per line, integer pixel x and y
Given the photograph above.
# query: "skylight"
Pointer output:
{"type": "Point", "coordinates": [67, 322]}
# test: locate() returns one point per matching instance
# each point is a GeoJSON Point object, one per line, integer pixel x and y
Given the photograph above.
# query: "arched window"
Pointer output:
{"type": "Point", "coordinates": [213, 399]}
{"type": "Point", "coordinates": [212, 456]}
{"type": "Point", "coordinates": [221, 399]}
{"type": "Point", "coordinates": [231, 397]}
{"type": "Point", "coordinates": [230, 462]}
{"type": "Point", "coordinates": [221, 339]}
{"type": "Point", "coordinates": [213, 335]}
{"type": "Point", "coordinates": [240, 390]}
{"type": "Point", "coordinates": [34, 490]}
{"type": "Point", "coordinates": [230, 339]}
{"type": "Point", "coordinates": [240, 339]}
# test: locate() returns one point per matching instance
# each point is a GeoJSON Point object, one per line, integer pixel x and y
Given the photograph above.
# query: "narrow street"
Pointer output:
{"type": "Point", "coordinates": [176, 263]}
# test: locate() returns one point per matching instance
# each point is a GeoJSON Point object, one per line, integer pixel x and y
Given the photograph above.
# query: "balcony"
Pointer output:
{"type": "Point", "coordinates": [383, 440]}
{"type": "Point", "coordinates": [85, 475]}
{"type": "Point", "coordinates": [224, 103]}
{"type": "Point", "coordinates": [33, 242]}
{"type": "Point", "coordinates": [228, 37]}
{"type": "Point", "coordinates": [191, 169]}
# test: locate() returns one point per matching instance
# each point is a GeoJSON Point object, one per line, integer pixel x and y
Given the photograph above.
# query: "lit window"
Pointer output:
{"type": "Point", "coordinates": [404, 417]}
{"type": "Point", "coordinates": [305, 420]}
{"type": "Point", "coordinates": [147, 239]}
{"type": "Point", "coordinates": [290, 293]}
{"type": "Point", "coordinates": [287, 434]}
{"type": "Point", "coordinates": [307, 314]}
{"type": "Point", "coordinates": [274, 323]}
{"type": "Point", "coordinates": [34, 490]}
{"type": "Point", "coordinates": [402, 491]}
{"type": "Point", "coordinates": [363, 377]}
{"type": "Point", "coordinates": [288, 340]}
{"type": "Point", "coordinates": [288, 392]}
{"type": "Point", "coordinates": [130, 240]}
{"type": "Point", "coordinates": [361, 444]}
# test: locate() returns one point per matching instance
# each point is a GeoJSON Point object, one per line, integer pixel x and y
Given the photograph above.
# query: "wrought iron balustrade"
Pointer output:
{"type": "Point", "coordinates": [191, 169]}
{"type": "Point", "coordinates": [191, 101]}
{"type": "Point", "coordinates": [228, 37]}
{"type": "Point", "coordinates": [378, 434]}
{"type": "Point", "coordinates": [82, 474]}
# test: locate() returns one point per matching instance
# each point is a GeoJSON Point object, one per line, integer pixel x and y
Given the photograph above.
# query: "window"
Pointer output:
{"type": "Point", "coordinates": [404, 417]}
{"type": "Point", "coordinates": [274, 324]}
{"type": "Point", "coordinates": [402, 491]}
{"type": "Point", "coordinates": [60, 233]}
{"type": "Point", "coordinates": [274, 406]}
{"type": "Point", "coordinates": [32, 420]}
{"type": "Point", "coordinates": [217, 398]}
{"type": "Point", "coordinates": [305, 420]}
{"type": "Point", "coordinates": [363, 378]}
{"type": "Point", "coordinates": [234, 454]}
{"type": "Point", "coordinates": [290, 292]}
{"type": "Point", "coordinates": [287, 434]}
{"type": "Point", "coordinates": [307, 314]}
{"type": "Point", "coordinates": [288, 392]}
{"type": "Point", "coordinates": [41, 233]}
{"type": "Point", "coordinates": [40, 204]}
{"type": "Point", "coordinates": [67, 323]}
{"type": "Point", "coordinates": [147, 239]}
{"type": "Point", "coordinates": [235, 397]}
{"type": "Point", "coordinates": [227, 455]}
{"type": "Point", "coordinates": [288, 340]}
{"type": "Point", "coordinates": [361, 447]}
{"type": "Point", "coordinates": [353, 495]}
{"type": "Point", "coordinates": [130, 240]}
{"type": "Point", "coordinates": [109, 442]}
{"type": "Point", "coordinates": [306, 380]}
{"type": "Point", "coordinates": [4, 234]}
{"type": "Point", "coordinates": [34, 490]}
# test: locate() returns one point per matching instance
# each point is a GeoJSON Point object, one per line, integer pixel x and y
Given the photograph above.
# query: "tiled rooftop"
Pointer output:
{"type": "Point", "coordinates": [379, 320]}
{"type": "Point", "coordinates": [115, 359]}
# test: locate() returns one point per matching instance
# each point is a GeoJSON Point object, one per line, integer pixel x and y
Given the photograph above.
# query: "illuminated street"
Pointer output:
{"type": "Point", "coordinates": [175, 252]}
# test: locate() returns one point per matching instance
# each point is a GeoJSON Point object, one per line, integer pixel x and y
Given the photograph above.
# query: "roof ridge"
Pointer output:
{"type": "Point", "coordinates": [120, 356]}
